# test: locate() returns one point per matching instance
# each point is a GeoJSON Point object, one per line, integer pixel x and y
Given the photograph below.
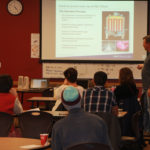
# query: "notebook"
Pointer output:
{"type": "Point", "coordinates": [39, 83]}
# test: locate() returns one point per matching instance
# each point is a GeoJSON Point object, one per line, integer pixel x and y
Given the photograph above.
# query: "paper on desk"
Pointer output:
{"type": "Point", "coordinates": [34, 109]}
{"type": "Point", "coordinates": [30, 146]}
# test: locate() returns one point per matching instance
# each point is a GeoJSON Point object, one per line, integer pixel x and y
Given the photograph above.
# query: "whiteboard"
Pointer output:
{"type": "Point", "coordinates": [55, 70]}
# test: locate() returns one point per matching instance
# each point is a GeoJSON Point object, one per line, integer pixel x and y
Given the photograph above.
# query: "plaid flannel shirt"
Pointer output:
{"type": "Point", "coordinates": [98, 99]}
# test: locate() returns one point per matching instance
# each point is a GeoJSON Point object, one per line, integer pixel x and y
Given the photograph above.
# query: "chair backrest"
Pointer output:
{"type": "Point", "coordinates": [89, 146]}
{"type": "Point", "coordinates": [48, 92]}
{"type": "Point", "coordinates": [131, 105]}
{"type": "Point", "coordinates": [6, 121]}
{"type": "Point", "coordinates": [114, 130]}
{"type": "Point", "coordinates": [33, 123]}
{"type": "Point", "coordinates": [137, 123]}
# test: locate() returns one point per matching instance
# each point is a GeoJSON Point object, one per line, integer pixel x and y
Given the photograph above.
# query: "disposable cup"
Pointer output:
{"type": "Point", "coordinates": [44, 138]}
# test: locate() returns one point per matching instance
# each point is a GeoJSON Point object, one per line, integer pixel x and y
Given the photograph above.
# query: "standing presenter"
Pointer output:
{"type": "Point", "coordinates": [146, 83]}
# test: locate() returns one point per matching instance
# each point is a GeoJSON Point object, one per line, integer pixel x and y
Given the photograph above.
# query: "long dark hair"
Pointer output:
{"type": "Point", "coordinates": [6, 83]}
{"type": "Point", "coordinates": [126, 76]}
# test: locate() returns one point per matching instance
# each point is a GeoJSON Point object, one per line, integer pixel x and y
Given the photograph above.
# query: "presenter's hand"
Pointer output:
{"type": "Point", "coordinates": [148, 92]}
{"type": "Point", "coordinates": [140, 66]}
{"type": "Point", "coordinates": [13, 92]}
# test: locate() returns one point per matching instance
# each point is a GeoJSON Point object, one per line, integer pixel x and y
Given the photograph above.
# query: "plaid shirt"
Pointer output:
{"type": "Point", "coordinates": [98, 99]}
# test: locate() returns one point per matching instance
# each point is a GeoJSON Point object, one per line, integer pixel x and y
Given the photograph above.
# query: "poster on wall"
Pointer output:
{"type": "Point", "coordinates": [35, 45]}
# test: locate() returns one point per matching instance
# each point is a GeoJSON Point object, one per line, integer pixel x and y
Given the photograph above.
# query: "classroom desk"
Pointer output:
{"type": "Point", "coordinates": [65, 113]}
{"type": "Point", "coordinates": [47, 100]}
{"type": "Point", "coordinates": [23, 91]}
{"type": "Point", "coordinates": [122, 114]}
{"type": "Point", "coordinates": [13, 143]}
{"type": "Point", "coordinates": [58, 113]}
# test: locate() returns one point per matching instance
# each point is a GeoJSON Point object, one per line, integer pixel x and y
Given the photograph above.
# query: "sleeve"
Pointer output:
{"type": "Point", "coordinates": [57, 95]}
{"type": "Point", "coordinates": [17, 107]}
{"type": "Point", "coordinates": [106, 139]}
{"type": "Point", "coordinates": [117, 93]}
{"type": "Point", "coordinates": [56, 142]}
{"type": "Point", "coordinates": [83, 102]}
{"type": "Point", "coordinates": [114, 103]}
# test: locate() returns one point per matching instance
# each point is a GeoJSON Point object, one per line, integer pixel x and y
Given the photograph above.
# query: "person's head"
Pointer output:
{"type": "Point", "coordinates": [146, 43]}
{"type": "Point", "coordinates": [6, 83]}
{"type": "Point", "coordinates": [71, 75]}
{"type": "Point", "coordinates": [100, 78]}
{"type": "Point", "coordinates": [126, 76]}
{"type": "Point", "coordinates": [71, 98]}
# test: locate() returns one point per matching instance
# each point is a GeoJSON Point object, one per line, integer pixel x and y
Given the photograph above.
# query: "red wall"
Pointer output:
{"type": "Point", "coordinates": [15, 40]}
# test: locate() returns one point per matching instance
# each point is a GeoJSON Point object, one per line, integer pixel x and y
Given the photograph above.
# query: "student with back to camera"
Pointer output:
{"type": "Point", "coordinates": [9, 101]}
{"type": "Point", "coordinates": [70, 79]}
{"type": "Point", "coordinates": [79, 126]}
{"type": "Point", "coordinates": [99, 98]}
{"type": "Point", "coordinates": [126, 96]}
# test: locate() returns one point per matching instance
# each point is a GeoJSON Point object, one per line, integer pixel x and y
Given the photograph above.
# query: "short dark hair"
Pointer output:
{"type": "Point", "coordinates": [147, 38]}
{"type": "Point", "coordinates": [71, 75]}
{"type": "Point", "coordinates": [100, 78]}
{"type": "Point", "coordinates": [6, 83]}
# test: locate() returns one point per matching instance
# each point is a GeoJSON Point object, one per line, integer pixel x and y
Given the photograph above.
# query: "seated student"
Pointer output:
{"type": "Point", "coordinates": [126, 96]}
{"type": "Point", "coordinates": [127, 87]}
{"type": "Point", "coordinates": [9, 101]}
{"type": "Point", "coordinates": [79, 126]}
{"type": "Point", "coordinates": [98, 98]}
{"type": "Point", "coordinates": [70, 79]}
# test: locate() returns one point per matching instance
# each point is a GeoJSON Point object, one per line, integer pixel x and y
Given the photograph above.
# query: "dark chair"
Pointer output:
{"type": "Point", "coordinates": [136, 141]}
{"type": "Point", "coordinates": [6, 121]}
{"type": "Point", "coordinates": [89, 146]}
{"type": "Point", "coordinates": [113, 126]}
{"type": "Point", "coordinates": [131, 105]}
{"type": "Point", "coordinates": [48, 92]}
{"type": "Point", "coordinates": [33, 123]}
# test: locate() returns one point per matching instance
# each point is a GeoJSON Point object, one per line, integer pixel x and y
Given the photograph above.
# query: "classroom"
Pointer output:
{"type": "Point", "coordinates": [40, 39]}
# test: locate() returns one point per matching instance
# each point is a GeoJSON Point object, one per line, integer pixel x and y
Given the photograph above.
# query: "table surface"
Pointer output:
{"type": "Point", "coordinates": [65, 113]}
{"type": "Point", "coordinates": [23, 91]}
{"type": "Point", "coordinates": [122, 113]}
{"type": "Point", "coordinates": [13, 143]}
{"type": "Point", "coordinates": [41, 99]}
{"type": "Point", "coordinates": [58, 113]}
{"type": "Point", "coordinates": [31, 90]}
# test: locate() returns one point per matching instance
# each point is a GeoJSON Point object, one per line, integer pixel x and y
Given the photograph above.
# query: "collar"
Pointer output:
{"type": "Point", "coordinates": [75, 110]}
{"type": "Point", "coordinates": [99, 87]}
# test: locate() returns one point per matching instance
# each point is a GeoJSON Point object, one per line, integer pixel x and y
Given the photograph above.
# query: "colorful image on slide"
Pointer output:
{"type": "Point", "coordinates": [115, 25]}
{"type": "Point", "coordinates": [122, 45]}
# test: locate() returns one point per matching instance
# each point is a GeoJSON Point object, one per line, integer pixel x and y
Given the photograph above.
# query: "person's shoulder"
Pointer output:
{"type": "Point", "coordinates": [90, 89]}
{"type": "Point", "coordinates": [59, 123]}
{"type": "Point", "coordinates": [120, 87]}
{"type": "Point", "coordinates": [11, 95]}
{"type": "Point", "coordinates": [61, 87]}
{"type": "Point", "coordinates": [94, 116]}
{"type": "Point", "coordinates": [80, 87]}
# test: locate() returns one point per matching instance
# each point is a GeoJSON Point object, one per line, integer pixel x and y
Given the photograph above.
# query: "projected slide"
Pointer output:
{"type": "Point", "coordinates": [93, 30]}
{"type": "Point", "coordinates": [87, 29]}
